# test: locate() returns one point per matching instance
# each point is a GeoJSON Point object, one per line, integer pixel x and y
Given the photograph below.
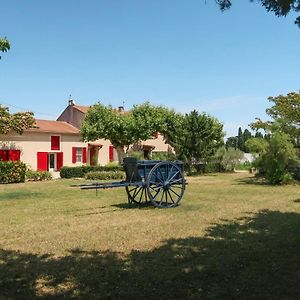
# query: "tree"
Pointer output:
{"type": "Point", "coordinates": [103, 122]}
{"type": "Point", "coordinates": [257, 145]}
{"type": "Point", "coordinates": [4, 45]}
{"type": "Point", "coordinates": [15, 122]}
{"type": "Point", "coordinates": [232, 142]}
{"type": "Point", "coordinates": [278, 7]}
{"type": "Point", "coordinates": [231, 158]}
{"type": "Point", "coordinates": [279, 159]}
{"type": "Point", "coordinates": [195, 137]}
{"type": "Point", "coordinates": [285, 113]}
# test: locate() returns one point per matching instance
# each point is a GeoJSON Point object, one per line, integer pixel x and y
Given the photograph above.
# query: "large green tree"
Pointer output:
{"type": "Point", "coordinates": [285, 114]}
{"type": "Point", "coordinates": [278, 7]}
{"type": "Point", "coordinates": [15, 122]}
{"type": "Point", "coordinates": [104, 122]}
{"type": "Point", "coordinates": [195, 137]}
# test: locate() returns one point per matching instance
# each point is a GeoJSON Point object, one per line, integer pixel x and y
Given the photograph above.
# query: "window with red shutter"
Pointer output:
{"type": "Point", "coordinates": [3, 155]}
{"type": "Point", "coordinates": [55, 142]}
{"type": "Point", "coordinates": [74, 151]}
{"type": "Point", "coordinates": [84, 155]}
{"type": "Point", "coordinates": [14, 155]}
{"type": "Point", "coordinates": [59, 160]}
{"type": "Point", "coordinates": [111, 153]}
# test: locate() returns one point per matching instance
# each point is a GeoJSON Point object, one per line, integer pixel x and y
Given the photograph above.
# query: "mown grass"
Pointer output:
{"type": "Point", "coordinates": [232, 237]}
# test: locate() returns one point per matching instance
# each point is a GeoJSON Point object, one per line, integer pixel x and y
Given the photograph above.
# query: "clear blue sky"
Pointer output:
{"type": "Point", "coordinates": [182, 54]}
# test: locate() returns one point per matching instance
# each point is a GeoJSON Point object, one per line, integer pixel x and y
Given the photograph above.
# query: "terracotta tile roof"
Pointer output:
{"type": "Point", "coordinates": [82, 108]}
{"type": "Point", "coordinates": [53, 127]}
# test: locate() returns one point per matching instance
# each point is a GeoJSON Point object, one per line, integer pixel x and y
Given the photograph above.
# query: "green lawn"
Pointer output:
{"type": "Point", "coordinates": [231, 238]}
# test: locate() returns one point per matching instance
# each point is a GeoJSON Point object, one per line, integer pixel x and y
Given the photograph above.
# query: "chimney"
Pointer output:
{"type": "Point", "coordinates": [71, 101]}
{"type": "Point", "coordinates": [121, 109]}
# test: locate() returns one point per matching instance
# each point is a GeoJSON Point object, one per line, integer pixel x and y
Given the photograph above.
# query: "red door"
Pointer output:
{"type": "Point", "coordinates": [42, 161]}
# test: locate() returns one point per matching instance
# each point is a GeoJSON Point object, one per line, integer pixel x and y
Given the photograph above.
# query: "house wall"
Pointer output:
{"type": "Point", "coordinates": [159, 143]}
{"type": "Point", "coordinates": [30, 143]}
{"type": "Point", "coordinates": [72, 115]}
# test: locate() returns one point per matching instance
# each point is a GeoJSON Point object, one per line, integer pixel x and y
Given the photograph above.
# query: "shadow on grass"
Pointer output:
{"type": "Point", "coordinates": [19, 195]}
{"type": "Point", "coordinates": [144, 205]}
{"type": "Point", "coordinates": [297, 200]}
{"type": "Point", "coordinates": [255, 257]}
{"type": "Point", "coordinates": [252, 180]}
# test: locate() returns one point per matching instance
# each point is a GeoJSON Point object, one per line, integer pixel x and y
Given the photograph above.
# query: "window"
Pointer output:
{"type": "Point", "coordinates": [78, 154]}
{"type": "Point", "coordinates": [55, 142]}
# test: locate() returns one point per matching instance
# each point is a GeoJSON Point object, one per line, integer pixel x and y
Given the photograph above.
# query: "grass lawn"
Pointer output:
{"type": "Point", "coordinates": [231, 238]}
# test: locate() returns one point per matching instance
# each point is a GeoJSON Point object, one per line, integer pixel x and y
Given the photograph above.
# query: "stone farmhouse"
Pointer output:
{"type": "Point", "coordinates": [53, 144]}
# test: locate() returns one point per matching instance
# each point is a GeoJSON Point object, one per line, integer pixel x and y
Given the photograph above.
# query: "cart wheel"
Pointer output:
{"type": "Point", "coordinates": [165, 185]}
{"type": "Point", "coordinates": [137, 194]}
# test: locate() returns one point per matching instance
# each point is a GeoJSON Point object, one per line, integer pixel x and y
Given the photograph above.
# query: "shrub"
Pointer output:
{"type": "Point", "coordinates": [12, 171]}
{"type": "Point", "coordinates": [213, 167]}
{"type": "Point", "coordinates": [105, 175]}
{"type": "Point", "coordinates": [279, 159]}
{"type": "Point", "coordinates": [160, 155]}
{"type": "Point", "coordinates": [81, 171]}
{"type": "Point", "coordinates": [38, 175]}
{"type": "Point", "coordinates": [139, 155]}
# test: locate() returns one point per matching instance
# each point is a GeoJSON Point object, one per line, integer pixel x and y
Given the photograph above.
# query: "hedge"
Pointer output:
{"type": "Point", "coordinates": [38, 175]}
{"type": "Point", "coordinates": [105, 175]}
{"type": "Point", "coordinates": [81, 171]}
{"type": "Point", "coordinates": [12, 171]}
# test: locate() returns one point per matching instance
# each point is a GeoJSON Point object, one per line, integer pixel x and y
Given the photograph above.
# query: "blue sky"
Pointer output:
{"type": "Point", "coordinates": [182, 54]}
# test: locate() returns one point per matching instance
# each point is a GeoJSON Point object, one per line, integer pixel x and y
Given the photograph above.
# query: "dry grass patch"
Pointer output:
{"type": "Point", "coordinates": [226, 240]}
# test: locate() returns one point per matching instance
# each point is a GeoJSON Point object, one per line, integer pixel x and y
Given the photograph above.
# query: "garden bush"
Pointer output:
{"type": "Point", "coordinates": [81, 171]}
{"type": "Point", "coordinates": [160, 155]}
{"type": "Point", "coordinates": [38, 175]}
{"type": "Point", "coordinates": [105, 175]}
{"type": "Point", "coordinates": [12, 171]}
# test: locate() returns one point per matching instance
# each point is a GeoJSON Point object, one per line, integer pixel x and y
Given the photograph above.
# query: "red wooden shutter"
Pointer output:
{"type": "Point", "coordinates": [55, 142]}
{"type": "Point", "coordinates": [84, 155]}
{"type": "Point", "coordinates": [14, 155]}
{"type": "Point", "coordinates": [74, 150]}
{"type": "Point", "coordinates": [42, 161]}
{"type": "Point", "coordinates": [111, 153]}
{"type": "Point", "coordinates": [59, 160]}
{"type": "Point", "coordinates": [3, 155]}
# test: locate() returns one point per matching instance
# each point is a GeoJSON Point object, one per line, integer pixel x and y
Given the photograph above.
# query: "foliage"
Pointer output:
{"type": "Point", "coordinates": [257, 145]}
{"type": "Point", "coordinates": [15, 122]}
{"type": "Point", "coordinates": [12, 171]}
{"type": "Point", "coordinates": [285, 113]}
{"type": "Point", "coordinates": [103, 122]}
{"type": "Point", "coordinates": [195, 137]}
{"type": "Point", "coordinates": [231, 158]}
{"type": "Point", "coordinates": [81, 171]}
{"type": "Point", "coordinates": [105, 175]}
{"type": "Point", "coordinates": [4, 45]}
{"type": "Point", "coordinates": [279, 159]}
{"type": "Point", "coordinates": [278, 7]}
{"type": "Point", "coordinates": [160, 155]}
{"type": "Point", "coordinates": [139, 155]}
{"type": "Point", "coordinates": [243, 166]}
{"type": "Point", "coordinates": [232, 142]}
{"type": "Point", "coordinates": [32, 175]}
{"type": "Point", "coordinates": [239, 141]}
